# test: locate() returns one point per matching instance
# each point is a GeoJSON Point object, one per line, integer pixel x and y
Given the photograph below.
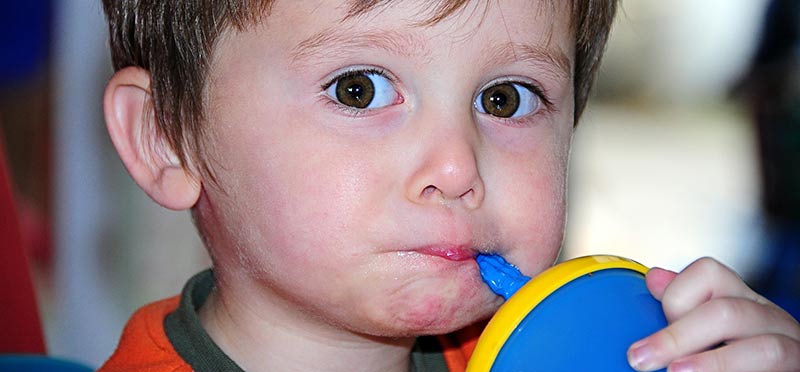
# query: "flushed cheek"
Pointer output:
{"type": "Point", "coordinates": [538, 236]}
{"type": "Point", "coordinates": [533, 220]}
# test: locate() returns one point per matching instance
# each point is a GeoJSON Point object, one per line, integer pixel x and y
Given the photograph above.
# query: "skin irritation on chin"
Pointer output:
{"type": "Point", "coordinates": [332, 212]}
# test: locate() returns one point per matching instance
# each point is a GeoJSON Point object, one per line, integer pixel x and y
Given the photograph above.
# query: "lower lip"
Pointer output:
{"type": "Point", "coordinates": [448, 253]}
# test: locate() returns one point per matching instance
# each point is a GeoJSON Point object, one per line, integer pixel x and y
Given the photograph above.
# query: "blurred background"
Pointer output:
{"type": "Point", "coordinates": [690, 148]}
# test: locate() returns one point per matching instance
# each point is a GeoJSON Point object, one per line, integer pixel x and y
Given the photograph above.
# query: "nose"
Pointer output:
{"type": "Point", "coordinates": [447, 171]}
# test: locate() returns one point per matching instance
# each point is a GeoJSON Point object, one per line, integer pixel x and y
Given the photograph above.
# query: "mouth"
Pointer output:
{"type": "Point", "coordinates": [448, 252]}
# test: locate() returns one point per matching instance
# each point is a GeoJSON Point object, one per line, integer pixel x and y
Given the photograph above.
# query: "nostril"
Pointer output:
{"type": "Point", "coordinates": [428, 191]}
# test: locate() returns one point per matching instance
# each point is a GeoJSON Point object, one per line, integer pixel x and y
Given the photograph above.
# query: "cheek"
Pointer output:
{"type": "Point", "coordinates": [536, 223]}
{"type": "Point", "coordinates": [534, 209]}
{"type": "Point", "coordinates": [305, 204]}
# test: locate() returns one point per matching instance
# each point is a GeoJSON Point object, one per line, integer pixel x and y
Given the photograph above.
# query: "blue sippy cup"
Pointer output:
{"type": "Point", "coordinates": [580, 315]}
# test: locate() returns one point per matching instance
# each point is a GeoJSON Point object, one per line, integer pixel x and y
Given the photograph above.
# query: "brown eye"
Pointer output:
{"type": "Point", "coordinates": [363, 89]}
{"type": "Point", "coordinates": [507, 100]}
{"type": "Point", "coordinates": [501, 100]}
{"type": "Point", "coordinates": [355, 91]}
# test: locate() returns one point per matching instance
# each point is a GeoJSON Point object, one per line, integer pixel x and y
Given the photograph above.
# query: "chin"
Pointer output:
{"type": "Point", "coordinates": [434, 315]}
{"type": "Point", "coordinates": [428, 302]}
{"type": "Point", "coordinates": [443, 323]}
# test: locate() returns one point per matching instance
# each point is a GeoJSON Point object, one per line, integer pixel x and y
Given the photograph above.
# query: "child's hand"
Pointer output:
{"type": "Point", "coordinates": [717, 323]}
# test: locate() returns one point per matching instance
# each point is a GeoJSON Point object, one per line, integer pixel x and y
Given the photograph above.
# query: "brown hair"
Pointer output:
{"type": "Point", "coordinates": [174, 39]}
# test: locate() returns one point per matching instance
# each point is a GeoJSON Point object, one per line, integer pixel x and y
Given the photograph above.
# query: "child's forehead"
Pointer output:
{"type": "Point", "coordinates": [331, 44]}
{"type": "Point", "coordinates": [531, 29]}
{"type": "Point", "coordinates": [394, 22]}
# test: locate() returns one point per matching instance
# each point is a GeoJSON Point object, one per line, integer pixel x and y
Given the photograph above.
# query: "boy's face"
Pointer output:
{"type": "Point", "coordinates": [367, 219]}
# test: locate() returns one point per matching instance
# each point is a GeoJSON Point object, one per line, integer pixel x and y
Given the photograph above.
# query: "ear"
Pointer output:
{"type": "Point", "coordinates": [145, 152]}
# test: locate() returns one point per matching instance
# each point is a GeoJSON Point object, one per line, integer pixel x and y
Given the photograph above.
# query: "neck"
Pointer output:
{"type": "Point", "coordinates": [262, 335]}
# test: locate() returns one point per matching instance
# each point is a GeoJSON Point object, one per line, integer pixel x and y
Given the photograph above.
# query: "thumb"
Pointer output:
{"type": "Point", "coordinates": [658, 280]}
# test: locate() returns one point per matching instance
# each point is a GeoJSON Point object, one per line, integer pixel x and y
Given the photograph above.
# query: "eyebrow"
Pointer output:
{"type": "Point", "coordinates": [553, 61]}
{"type": "Point", "coordinates": [336, 43]}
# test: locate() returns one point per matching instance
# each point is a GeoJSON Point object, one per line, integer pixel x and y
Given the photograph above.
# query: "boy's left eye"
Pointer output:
{"type": "Point", "coordinates": [507, 100]}
{"type": "Point", "coordinates": [362, 90]}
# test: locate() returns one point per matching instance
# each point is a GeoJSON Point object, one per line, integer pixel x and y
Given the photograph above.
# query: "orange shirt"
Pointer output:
{"type": "Point", "coordinates": [144, 345]}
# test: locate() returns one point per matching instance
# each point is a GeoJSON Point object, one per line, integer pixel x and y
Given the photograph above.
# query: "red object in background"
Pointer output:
{"type": "Point", "coordinates": [20, 326]}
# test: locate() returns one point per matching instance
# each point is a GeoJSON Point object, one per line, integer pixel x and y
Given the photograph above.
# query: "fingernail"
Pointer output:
{"type": "Point", "coordinates": [640, 356]}
{"type": "Point", "coordinates": [681, 366]}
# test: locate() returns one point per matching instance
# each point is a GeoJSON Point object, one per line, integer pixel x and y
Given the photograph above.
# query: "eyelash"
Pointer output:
{"type": "Point", "coordinates": [539, 91]}
{"type": "Point", "coordinates": [356, 72]}
{"type": "Point", "coordinates": [547, 104]}
{"type": "Point", "coordinates": [547, 107]}
{"type": "Point", "coordinates": [348, 110]}
{"type": "Point", "coordinates": [535, 88]}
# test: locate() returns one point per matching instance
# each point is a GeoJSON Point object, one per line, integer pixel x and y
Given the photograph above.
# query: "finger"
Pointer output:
{"type": "Point", "coordinates": [717, 321]}
{"type": "Point", "coordinates": [657, 280]}
{"type": "Point", "coordinates": [703, 280]}
{"type": "Point", "coordinates": [761, 353]}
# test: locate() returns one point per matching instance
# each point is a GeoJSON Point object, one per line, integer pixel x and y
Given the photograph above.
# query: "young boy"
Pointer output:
{"type": "Point", "coordinates": [345, 161]}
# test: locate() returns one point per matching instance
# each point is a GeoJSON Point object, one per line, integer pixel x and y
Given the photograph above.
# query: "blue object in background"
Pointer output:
{"type": "Point", "coordinates": [24, 38]}
{"type": "Point", "coordinates": [39, 363]}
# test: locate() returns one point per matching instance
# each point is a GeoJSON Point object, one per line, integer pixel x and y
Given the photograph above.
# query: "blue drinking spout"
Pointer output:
{"type": "Point", "coordinates": [503, 278]}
